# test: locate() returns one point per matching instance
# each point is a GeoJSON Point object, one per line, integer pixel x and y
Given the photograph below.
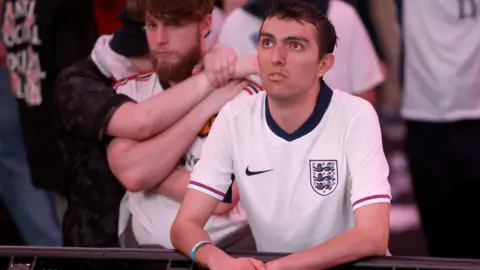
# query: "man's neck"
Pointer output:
{"type": "Point", "coordinates": [292, 114]}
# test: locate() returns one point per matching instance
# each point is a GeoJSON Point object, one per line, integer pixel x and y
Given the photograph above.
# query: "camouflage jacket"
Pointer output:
{"type": "Point", "coordinates": [85, 103]}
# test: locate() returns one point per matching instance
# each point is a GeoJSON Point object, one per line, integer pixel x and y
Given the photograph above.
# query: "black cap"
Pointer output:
{"type": "Point", "coordinates": [129, 40]}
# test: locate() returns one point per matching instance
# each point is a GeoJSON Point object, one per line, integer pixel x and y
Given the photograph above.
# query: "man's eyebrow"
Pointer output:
{"type": "Point", "coordinates": [266, 34]}
{"type": "Point", "coordinates": [288, 38]}
{"type": "Point", "coordinates": [295, 38]}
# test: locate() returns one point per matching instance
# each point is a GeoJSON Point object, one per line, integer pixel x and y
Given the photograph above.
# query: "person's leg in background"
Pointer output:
{"type": "Point", "coordinates": [462, 193]}
{"type": "Point", "coordinates": [444, 160]}
{"type": "Point", "coordinates": [426, 149]}
{"type": "Point", "coordinates": [31, 208]}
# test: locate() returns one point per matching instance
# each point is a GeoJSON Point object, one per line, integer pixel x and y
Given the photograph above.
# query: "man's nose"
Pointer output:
{"type": "Point", "coordinates": [278, 55]}
{"type": "Point", "coordinates": [161, 35]}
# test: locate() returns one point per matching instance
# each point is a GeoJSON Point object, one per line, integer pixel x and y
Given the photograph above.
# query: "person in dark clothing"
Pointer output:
{"type": "Point", "coordinates": [40, 38]}
{"type": "Point", "coordinates": [85, 102]}
{"type": "Point", "coordinates": [54, 35]}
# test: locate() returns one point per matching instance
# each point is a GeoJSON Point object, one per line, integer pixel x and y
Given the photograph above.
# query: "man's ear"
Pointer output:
{"type": "Point", "coordinates": [205, 25]}
{"type": "Point", "coordinates": [325, 64]}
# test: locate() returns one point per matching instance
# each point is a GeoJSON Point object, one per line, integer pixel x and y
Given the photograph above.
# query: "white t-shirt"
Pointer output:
{"type": "Point", "coordinates": [153, 214]}
{"type": "Point", "coordinates": [442, 60]}
{"type": "Point", "coordinates": [356, 67]}
{"type": "Point", "coordinates": [217, 22]}
{"type": "Point", "coordinates": [299, 189]}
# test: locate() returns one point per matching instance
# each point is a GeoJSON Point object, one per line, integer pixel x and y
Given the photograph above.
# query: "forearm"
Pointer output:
{"type": "Point", "coordinates": [383, 15]}
{"type": "Point", "coordinates": [142, 165]}
{"type": "Point", "coordinates": [155, 114]}
{"type": "Point", "coordinates": [349, 246]}
{"type": "Point", "coordinates": [183, 96]}
{"type": "Point", "coordinates": [175, 186]}
{"type": "Point", "coordinates": [185, 235]}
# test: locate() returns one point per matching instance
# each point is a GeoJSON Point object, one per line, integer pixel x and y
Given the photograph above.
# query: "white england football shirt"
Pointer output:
{"type": "Point", "coordinates": [298, 189]}
{"type": "Point", "coordinates": [356, 68]}
{"type": "Point", "coordinates": [153, 214]}
{"type": "Point", "coordinates": [442, 60]}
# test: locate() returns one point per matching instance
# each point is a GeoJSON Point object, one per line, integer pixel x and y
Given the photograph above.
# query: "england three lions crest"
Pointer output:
{"type": "Point", "coordinates": [323, 176]}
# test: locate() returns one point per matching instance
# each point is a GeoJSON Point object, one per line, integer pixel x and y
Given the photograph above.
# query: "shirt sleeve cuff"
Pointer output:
{"type": "Point", "coordinates": [207, 190]}
{"type": "Point", "coordinates": [379, 198]}
{"type": "Point", "coordinates": [106, 112]}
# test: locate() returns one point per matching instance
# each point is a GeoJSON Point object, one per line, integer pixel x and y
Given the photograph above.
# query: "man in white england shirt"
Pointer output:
{"type": "Point", "coordinates": [308, 160]}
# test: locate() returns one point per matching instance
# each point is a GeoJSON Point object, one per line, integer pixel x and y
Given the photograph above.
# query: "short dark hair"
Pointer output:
{"type": "Point", "coordinates": [179, 11]}
{"type": "Point", "coordinates": [302, 11]}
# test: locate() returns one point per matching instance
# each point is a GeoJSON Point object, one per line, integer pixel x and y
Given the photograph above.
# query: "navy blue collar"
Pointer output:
{"type": "Point", "coordinates": [323, 101]}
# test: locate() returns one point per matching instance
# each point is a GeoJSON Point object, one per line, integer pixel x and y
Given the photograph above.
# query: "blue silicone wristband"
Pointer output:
{"type": "Point", "coordinates": [195, 247]}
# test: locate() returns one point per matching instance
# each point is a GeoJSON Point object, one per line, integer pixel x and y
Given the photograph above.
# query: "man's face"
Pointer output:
{"type": "Point", "coordinates": [288, 57]}
{"type": "Point", "coordinates": [175, 49]}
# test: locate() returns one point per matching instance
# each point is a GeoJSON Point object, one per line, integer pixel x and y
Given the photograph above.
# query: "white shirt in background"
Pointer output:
{"type": "Point", "coordinates": [442, 60]}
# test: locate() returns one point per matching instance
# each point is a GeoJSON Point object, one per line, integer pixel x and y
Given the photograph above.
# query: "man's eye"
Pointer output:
{"type": "Point", "coordinates": [150, 25]}
{"type": "Point", "coordinates": [267, 43]}
{"type": "Point", "coordinates": [296, 46]}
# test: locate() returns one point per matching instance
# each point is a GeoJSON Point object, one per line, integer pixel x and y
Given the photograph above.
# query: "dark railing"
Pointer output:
{"type": "Point", "coordinates": [114, 258]}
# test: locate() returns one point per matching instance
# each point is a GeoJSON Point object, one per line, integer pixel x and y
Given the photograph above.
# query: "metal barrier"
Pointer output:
{"type": "Point", "coordinates": [13, 258]}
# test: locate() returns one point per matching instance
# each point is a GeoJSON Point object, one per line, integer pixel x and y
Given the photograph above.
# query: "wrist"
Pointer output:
{"type": "Point", "coordinates": [209, 255]}
{"type": "Point", "coordinates": [205, 82]}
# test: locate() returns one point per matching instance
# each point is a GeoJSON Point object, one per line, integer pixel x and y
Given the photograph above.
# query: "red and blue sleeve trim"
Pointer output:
{"type": "Point", "coordinates": [219, 193]}
{"type": "Point", "coordinates": [381, 196]}
{"type": "Point", "coordinates": [144, 76]}
{"type": "Point", "coordinates": [252, 88]}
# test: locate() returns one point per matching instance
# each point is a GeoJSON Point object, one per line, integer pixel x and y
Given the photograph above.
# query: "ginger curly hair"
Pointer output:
{"type": "Point", "coordinates": [172, 12]}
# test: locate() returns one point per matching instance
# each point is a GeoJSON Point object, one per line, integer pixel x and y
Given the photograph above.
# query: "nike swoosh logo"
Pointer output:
{"type": "Point", "coordinates": [250, 173]}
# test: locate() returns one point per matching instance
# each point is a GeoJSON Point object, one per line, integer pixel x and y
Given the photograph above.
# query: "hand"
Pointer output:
{"type": "Point", "coordinates": [237, 264]}
{"type": "Point", "coordinates": [218, 64]}
{"type": "Point", "coordinates": [246, 65]}
{"type": "Point", "coordinates": [219, 97]}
